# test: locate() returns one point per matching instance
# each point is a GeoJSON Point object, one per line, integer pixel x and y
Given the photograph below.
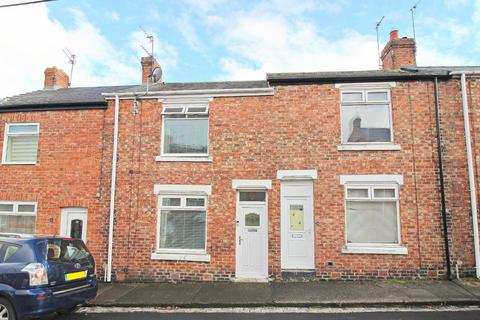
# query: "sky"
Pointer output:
{"type": "Point", "coordinates": [217, 40]}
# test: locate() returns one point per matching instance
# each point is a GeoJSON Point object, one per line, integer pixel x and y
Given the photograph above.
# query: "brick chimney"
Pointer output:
{"type": "Point", "coordinates": [148, 64]}
{"type": "Point", "coordinates": [55, 78]}
{"type": "Point", "coordinates": [398, 52]}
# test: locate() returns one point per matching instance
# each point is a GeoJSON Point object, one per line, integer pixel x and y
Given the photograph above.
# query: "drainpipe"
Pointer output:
{"type": "Point", "coordinates": [471, 176]}
{"type": "Point", "coordinates": [442, 183]}
{"type": "Point", "coordinates": [112, 190]}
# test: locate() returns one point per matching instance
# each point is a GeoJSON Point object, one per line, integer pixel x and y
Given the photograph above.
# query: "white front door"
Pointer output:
{"type": "Point", "coordinates": [297, 246]}
{"type": "Point", "coordinates": [74, 223]}
{"type": "Point", "coordinates": [252, 238]}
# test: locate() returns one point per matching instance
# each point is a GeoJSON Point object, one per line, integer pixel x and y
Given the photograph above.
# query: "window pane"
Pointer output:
{"type": "Point", "coordinates": [384, 193]}
{"type": "Point", "coordinates": [377, 96]}
{"type": "Point", "coordinates": [31, 128]}
{"type": "Point", "coordinates": [372, 222]}
{"type": "Point", "coordinates": [252, 196]}
{"type": "Point", "coordinates": [196, 109]}
{"type": "Point", "coordinates": [357, 193]}
{"type": "Point", "coordinates": [26, 208]}
{"type": "Point", "coordinates": [8, 251]}
{"type": "Point", "coordinates": [22, 149]}
{"type": "Point", "coordinates": [182, 229]}
{"type": "Point", "coordinates": [296, 217]}
{"type": "Point", "coordinates": [252, 220]}
{"type": "Point", "coordinates": [17, 224]}
{"type": "Point", "coordinates": [352, 97]}
{"type": "Point", "coordinates": [186, 135]}
{"type": "Point", "coordinates": [171, 202]}
{"type": "Point", "coordinates": [6, 207]}
{"type": "Point", "coordinates": [195, 202]}
{"type": "Point", "coordinates": [366, 123]}
{"type": "Point", "coordinates": [173, 110]}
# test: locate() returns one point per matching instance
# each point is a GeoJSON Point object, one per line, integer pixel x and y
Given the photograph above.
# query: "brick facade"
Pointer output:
{"type": "Point", "coordinates": [68, 172]}
{"type": "Point", "coordinates": [300, 126]}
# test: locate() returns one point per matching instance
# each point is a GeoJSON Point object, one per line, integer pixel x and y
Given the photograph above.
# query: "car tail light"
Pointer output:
{"type": "Point", "coordinates": [37, 274]}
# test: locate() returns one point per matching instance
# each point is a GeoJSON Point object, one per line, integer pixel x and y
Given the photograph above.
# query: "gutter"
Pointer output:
{"type": "Point", "coordinates": [442, 182]}
{"type": "Point", "coordinates": [64, 106]}
{"type": "Point", "coordinates": [471, 174]}
{"type": "Point", "coordinates": [112, 191]}
{"type": "Point", "coordinates": [206, 92]}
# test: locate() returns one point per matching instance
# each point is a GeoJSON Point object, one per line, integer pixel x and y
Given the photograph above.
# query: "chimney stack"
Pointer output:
{"type": "Point", "coordinates": [398, 52]}
{"type": "Point", "coordinates": [55, 79]}
{"type": "Point", "coordinates": [148, 65]}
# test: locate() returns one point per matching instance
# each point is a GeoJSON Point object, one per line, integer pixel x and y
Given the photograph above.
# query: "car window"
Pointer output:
{"type": "Point", "coordinates": [66, 250]}
{"type": "Point", "coordinates": [7, 250]}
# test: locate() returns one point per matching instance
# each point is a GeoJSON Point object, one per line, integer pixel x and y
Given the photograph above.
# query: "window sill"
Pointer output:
{"type": "Point", "coordinates": [369, 147]}
{"type": "Point", "coordinates": [375, 249]}
{"type": "Point", "coordinates": [19, 163]}
{"type": "Point", "coordinates": [183, 159]}
{"type": "Point", "coordinates": [181, 257]}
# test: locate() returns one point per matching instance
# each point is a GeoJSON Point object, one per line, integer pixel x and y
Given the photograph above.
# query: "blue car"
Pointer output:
{"type": "Point", "coordinates": [43, 275]}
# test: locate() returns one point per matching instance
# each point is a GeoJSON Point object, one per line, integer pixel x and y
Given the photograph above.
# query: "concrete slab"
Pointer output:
{"type": "Point", "coordinates": [160, 294]}
{"type": "Point", "coordinates": [109, 294]}
{"type": "Point", "coordinates": [234, 294]}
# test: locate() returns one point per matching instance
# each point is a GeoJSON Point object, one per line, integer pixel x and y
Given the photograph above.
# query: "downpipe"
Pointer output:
{"type": "Point", "coordinates": [471, 175]}
{"type": "Point", "coordinates": [112, 191]}
{"type": "Point", "coordinates": [442, 182]}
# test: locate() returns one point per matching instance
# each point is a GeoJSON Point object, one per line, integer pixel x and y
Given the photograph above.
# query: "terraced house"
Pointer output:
{"type": "Point", "coordinates": [328, 175]}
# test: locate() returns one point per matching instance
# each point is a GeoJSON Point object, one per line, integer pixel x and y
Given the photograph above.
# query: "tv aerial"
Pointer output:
{"type": "Point", "coordinates": [377, 25]}
{"type": "Point", "coordinates": [72, 59]}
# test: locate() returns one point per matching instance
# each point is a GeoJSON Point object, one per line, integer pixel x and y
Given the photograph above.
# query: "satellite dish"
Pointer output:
{"type": "Point", "coordinates": [157, 74]}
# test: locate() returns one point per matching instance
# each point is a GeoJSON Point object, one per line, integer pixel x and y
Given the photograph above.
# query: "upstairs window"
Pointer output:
{"type": "Point", "coordinates": [21, 143]}
{"type": "Point", "coordinates": [17, 217]}
{"type": "Point", "coordinates": [185, 131]}
{"type": "Point", "coordinates": [366, 116]}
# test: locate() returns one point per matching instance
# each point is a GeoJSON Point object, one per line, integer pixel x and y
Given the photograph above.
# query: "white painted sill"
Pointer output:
{"type": "Point", "coordinates": [19, 163]}
{"type": "Point", "coordinates": [369, 147]}
{"type": "Point", "coordinates": [181, 257]}
{"type": "Point", "coordinates": [374, 249]}
{"type": "Point", "coordinates": [183, 159]}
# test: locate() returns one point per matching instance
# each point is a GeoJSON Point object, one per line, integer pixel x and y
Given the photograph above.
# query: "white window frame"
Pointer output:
{"type": "Point", "coordinates": [16, 213]}
{"type": "Point", "coordinates": [366, 88]}
{"type": "Point", "coordinates": [179, 156]}
{"type": "Point", "coordinates": [373, 182]}
{"type": "Point", "coordinates": [7, 135]}
{"type": "Point", "coordinates": [183, 192]}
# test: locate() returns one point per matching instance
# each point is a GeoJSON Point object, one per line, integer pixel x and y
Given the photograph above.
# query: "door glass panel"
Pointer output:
{"type": "Point", "coordinates": [252, 196]}
{"type": "Point", "coordinates": [296, 217]}
{"type": "Point", "coordinates": [252, 220]}
{"type": "Point", "coordinates": [76, 227]}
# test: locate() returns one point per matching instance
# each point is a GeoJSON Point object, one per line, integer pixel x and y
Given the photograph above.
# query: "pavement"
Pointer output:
{"type": "Point", "coordinates": [289, 294]}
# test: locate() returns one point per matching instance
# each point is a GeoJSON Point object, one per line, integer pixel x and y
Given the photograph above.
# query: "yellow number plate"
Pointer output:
{"type": "Point", "coordinates": [76, 275]}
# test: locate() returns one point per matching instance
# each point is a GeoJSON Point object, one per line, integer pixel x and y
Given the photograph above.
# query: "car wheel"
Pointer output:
{"type": "Point", "coordinates": [6, 310]}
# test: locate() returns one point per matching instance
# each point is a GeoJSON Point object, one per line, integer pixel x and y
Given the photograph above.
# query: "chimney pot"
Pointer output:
{"type": "Point", "coordinates": [55, 79]}
{"type": "Point", "coordinates": [398, 52]}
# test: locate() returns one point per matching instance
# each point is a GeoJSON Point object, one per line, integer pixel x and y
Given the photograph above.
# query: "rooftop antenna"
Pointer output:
{"type": "Point", "coordinates": [378, 43]}
{"type": "Point", "coordinates": [412, 10]}
{"type": "Point", "coordinates": [150, 38]}
{"type": "Point", "coordinates": [72, 59]}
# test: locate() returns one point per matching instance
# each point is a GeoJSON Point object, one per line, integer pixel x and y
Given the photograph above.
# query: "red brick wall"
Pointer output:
{"type": "Point", "coordinates": [67, 173]}
{"type": "Point", "coordinates": [455, 167]}
{"type": "Point", "coordinates": [252, 138]}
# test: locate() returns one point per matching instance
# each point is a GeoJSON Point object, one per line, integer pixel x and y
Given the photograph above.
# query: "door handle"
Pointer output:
{"type": "Point", "coordinates": [240, 240]}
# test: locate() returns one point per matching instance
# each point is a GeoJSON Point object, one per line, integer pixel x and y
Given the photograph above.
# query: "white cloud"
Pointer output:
{"type": "Point", "coordinates": [36, 41]}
